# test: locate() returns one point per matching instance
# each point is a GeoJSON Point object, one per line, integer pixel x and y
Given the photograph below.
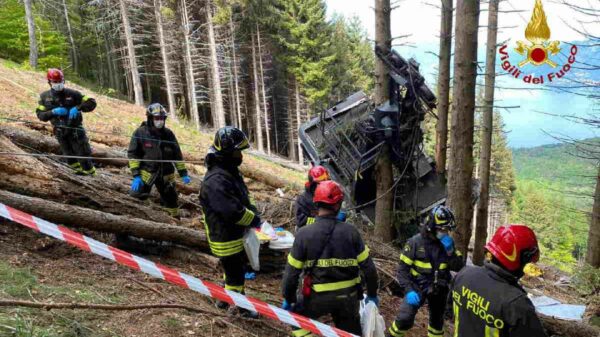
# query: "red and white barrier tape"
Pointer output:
{"type": "Point", "coordinates": [170, 275]}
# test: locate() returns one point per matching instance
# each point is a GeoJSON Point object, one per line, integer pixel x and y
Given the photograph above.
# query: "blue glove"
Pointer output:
{"type": "Point", "coordinates": [448, 243]}
{"type": "Point", "coordinates": [137, 183]}
{"type": "Point", "coordinates": [186, 180]}
{"type": "Point", "coordinates": [250, 275]}
{"type": "Point", "coordinates": [374, 299]}
{"type": "Point", "coordinates": [73, 113]}
{"type": "Point", "coordinates": [286, 306]}
{"type": "Point", "coordinates": [412, 298]}
{"type": "Point", "coordinates": [341, 216]}
{"type": "Point", "coordinates": [59, 111]}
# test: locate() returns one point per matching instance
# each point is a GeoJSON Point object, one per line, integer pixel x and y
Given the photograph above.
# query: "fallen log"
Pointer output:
{"type": "Point", "coordinates": [562, 328]}
{"type": "Point", "coordinates": [75, 216]}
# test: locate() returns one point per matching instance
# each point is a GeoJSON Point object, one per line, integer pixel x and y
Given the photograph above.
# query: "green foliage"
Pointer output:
{"type": "Point", "coordinates": [502, 173]}
{"type": "Point", "coordinates": [14, 38]}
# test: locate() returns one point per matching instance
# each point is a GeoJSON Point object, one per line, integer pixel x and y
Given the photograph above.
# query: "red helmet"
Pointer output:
{"type": "Point", "coordinates": [514, 246]}
{"type": "Point", "coordinates": [317, 174]}
{"type": "Point", "coordinates": [328, 192]}
{"type": "Point", "coordinates": [55, 75]}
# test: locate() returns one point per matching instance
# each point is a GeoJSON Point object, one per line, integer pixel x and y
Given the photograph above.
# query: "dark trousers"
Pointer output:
{"type": "Point", "coordinates": [234, 270]}
{"type": "Point", "coordinates": [74, 142]}
{"type": "Point", "coordinates": [165, 185]}
{"type": "Point", "coordinates": [407, 313]}
{"type": "Point", "coordinates": [342, 305]}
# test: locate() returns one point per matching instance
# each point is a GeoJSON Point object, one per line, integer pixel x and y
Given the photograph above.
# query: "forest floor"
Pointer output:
{"type": "Point", "coordinates": [36, 268]}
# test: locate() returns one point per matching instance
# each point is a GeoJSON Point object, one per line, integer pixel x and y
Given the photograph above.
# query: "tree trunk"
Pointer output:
{"type": "Point", "coordinates": [463, 113]}
{"type": "Point", "coordinates": [291, 143]}
{"type": "Point", "coordinates": [558, 327]}
{"type": "Point", "coordinates": [593, 250]}
{"type": "Point", "coordinates": [75, 216]}
{"type": "Point", "coordinates": [264, 94]}
{"type": "Point", "coordinates": [487, 128]}
{"type": "Point", "coordinates": [133, 67]}
{"type": "Point", "coordinates": [385, 174]}
{"type": "Point", "coordinates": [218, 110]}
{"type": "Point", "coordinates": [165, 59]}
{"type": "Point", "coordinates": [189, 65]}
{"type": "Point", "coordinates": [71, 39]}
{"type": "Point", "coordinates": [235, 75]}
{"type": "Point", "coordinates": [298, 123]}
{"type": "Point", "coordinates": [257, 115]}
{"type": "Point", "coordinates": [33, 47]}
{"type": "Point", "coordinates": [441, 143]}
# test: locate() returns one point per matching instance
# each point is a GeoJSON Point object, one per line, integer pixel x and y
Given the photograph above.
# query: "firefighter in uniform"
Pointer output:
{"type": "Point", "coordinates": [330, 254]}
{"type": "Point", "coordinates": [227, 207]}
{"type": "Point", "coordinates": [305, 207]}
{"type": "Point", "coordinates": [153, 141]}
{"type": "Point", "coordinates": [488, 301]}
{"type": "Point", "coordinates": [63, 107]}
{"type": "Point", "coordinates": [424, 273]}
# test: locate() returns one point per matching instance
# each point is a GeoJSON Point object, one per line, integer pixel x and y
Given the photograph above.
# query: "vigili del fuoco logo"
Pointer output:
{"type": "Point", "coordinates": [539, 51]}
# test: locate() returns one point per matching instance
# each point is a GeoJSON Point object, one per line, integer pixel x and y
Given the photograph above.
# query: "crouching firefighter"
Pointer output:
{"type": "Point", "coordinates": [63, 107]}
{"type": "Point", "coordinates": [227, 207]}
{"type": "Point", "coordinates": [305, 207]}
{"type": "Point", "coordinates": [424, 273]}
{"type": "Point", "coordinates": [152, 150]}
{"type": "Point", "coordinates": [488, 301]}
{"type": "Point", "coordinates": [330, 254]}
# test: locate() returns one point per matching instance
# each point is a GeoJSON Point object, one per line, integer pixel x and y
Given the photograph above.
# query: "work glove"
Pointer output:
{"type": "Point", "coordinates": [374, 299]}
{"type": "Point", "coordinates": [286, 306]}
{"type": "Point", "coordinates": [341, 216]}
{"type": "Point", "coordinates": [74, 113]}
{"type": "Point", "coordinates": [256, 222]}
{"type": "Point", "coordinates": [137, 183]}
{"type": "Point", "coordinates": [448, 243]}
{"type": "Point", "coordinates": [59, 111]}
{"type": "Point", "coordinates": [412, 298]}
{"type": "Point", "coordinates": [186, 180]}
{"type": "Point", "coordinates": [250, 275]}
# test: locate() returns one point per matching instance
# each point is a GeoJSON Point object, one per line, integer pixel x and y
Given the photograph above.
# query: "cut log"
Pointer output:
{"type": "Point", "coordinates": [75, 216]}
{"type": "Point", "coordinates": [562, 328]}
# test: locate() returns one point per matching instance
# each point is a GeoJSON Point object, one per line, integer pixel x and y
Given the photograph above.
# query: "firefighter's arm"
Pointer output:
{"type": "Point", "coordinates": [86, 103]}
{"type": "Point", "coordinates": [520, 315]}
{"type": "Point", "coordinates": [403, 275]}
{"type": "Point", "coordinates": [134, 153]}
{"type": "Point", "coordinates": [180, 166]}
{"type": "Point", "coordinates": [229, 206]}
{"type": "Point", "coordinates": [456, 261]}
{"type": "Point", "coordinates": [366, 264]}
{"type": "Point", "coordinates": [301, 214]}
{"type": "Point", "coordinates": [293, 269]}
{"type": "Point", "coordinates": [44, 113]}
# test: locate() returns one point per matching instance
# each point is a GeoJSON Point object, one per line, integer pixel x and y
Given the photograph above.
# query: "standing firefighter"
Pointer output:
{"type": "Point", "coordinates": [305, 207]}
{"type": "Point", "coordinates": [62, 107]}
{"type": "Point", "coordinates": [227, 207]}
{"type": "Point", "coordinates": [151, 148]}
{"type": "Point", "coordinates": [488, 301]}
{"type": "Point", "coordinates": [424, 273]}
{"type": "Point", "coordinates": [331, 254]}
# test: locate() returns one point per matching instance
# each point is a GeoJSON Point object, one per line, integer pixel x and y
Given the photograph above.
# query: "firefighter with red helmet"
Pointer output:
{"type": "Point", "coordinates": [63, 107]}
{"type": "Point", "coordinates": [488, 300]}
{"type": "Point", "coordinates": [330, 254]}
{"type": "Point", "coordinates": [305, 207]}
{"type": "Point", "coordinates": [424, 273]}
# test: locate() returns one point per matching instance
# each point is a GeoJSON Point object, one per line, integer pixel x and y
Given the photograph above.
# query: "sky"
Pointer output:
{"type": "Point", "coordinates": [526, 123]}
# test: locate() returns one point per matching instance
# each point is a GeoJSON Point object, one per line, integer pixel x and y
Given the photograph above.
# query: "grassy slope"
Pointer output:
{"type": "Point", "coordinates": [19, 93]}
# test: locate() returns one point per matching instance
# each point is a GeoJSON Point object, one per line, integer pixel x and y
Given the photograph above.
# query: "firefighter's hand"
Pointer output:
{"type": "Point", "coordinates": [256, 222]}
{"type": "Point", "coordinates": [286, 306]}
{"type": "Point", "coordinates": [374, 299]}
{"type": "Point", "coordinates": [186, 180]}
{"type": "Point", "coordinates": [137, 183]}
{"type": "Point", "coordinates": [448, 243]}
{"type": "Point", "coordinates": [60, 111]}
{"type": "Point", "coordinates": [73, 113]}
{"type": "Point", "coordinates": [412, 298]}
{"type": "Point", "coordinates": [341, 216]}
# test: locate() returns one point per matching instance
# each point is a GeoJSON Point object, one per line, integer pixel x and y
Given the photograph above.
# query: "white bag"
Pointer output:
{"type": "Point", "coordinates": [252, 248]}
{"type": "Point", "coordinates": [371, 321]}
